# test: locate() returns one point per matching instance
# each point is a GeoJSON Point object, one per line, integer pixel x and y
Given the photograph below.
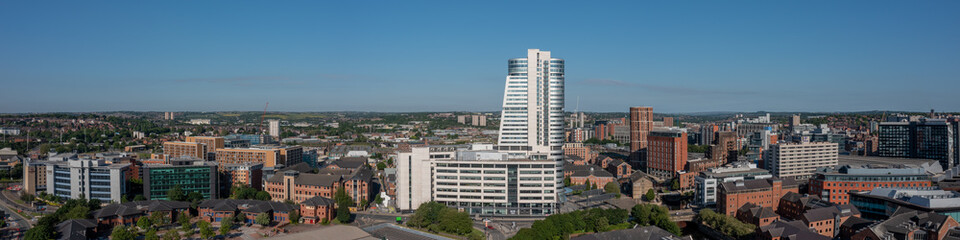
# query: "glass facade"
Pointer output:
{"type": "Point", "coordinates": [189, 178]}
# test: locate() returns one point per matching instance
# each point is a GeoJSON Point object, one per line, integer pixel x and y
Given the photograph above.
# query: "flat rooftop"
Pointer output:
{"type": "Point", "coordinates": [862, 160]}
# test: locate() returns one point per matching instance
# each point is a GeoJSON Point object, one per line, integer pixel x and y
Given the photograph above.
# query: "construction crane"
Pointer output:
{"type": "Point", "coordinates": [263, 116]}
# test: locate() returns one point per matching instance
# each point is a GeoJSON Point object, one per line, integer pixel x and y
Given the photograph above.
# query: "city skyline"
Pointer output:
{"type": "Point", "coordinates": [680, 58]}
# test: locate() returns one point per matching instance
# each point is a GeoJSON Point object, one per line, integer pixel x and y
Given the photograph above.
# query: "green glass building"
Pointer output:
{"type": "Point", "coordinates": [193, 175]}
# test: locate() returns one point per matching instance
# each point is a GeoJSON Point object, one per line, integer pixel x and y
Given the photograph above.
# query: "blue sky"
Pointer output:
{"type": "Point", "coordinates": [677, 56]}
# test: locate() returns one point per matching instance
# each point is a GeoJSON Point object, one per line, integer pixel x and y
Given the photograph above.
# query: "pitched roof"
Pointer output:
{"type": "Point", "coordinates": [246, 205]}
{"type": "Point", "coordinates": [318, 201]}
{"type": "Point", "coordinates": [300, 167]}
{"type": "Point", "coordinates": [322, 180]}
{"type": "Point", "coordinates": [792, 230]}
{"type": "Point", "coordinates": [351, 162]}
{"type": "Point", "coordinates": [590, 170]}
{"type": "Point", "coordinates": [75, 229]}
{"type": "Point", "coordinates": [905, 221]}
{"type": "Point", "coordinates": [139, 207]}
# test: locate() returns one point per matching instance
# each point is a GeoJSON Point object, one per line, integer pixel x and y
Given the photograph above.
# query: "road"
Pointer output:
{"type": "Point", "coordinates": [21, 222]}
{"type": "Point", "coordinates": [364, 219]}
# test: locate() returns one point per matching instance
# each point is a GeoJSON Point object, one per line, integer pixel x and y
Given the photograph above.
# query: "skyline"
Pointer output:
{"type": "Point", "coordinates": [307, 57]}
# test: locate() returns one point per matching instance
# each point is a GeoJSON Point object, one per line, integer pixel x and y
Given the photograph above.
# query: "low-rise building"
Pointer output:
{"type": "Point", "coordinates": [759, 216]}
{"type": "Point", "coordinates": [833, 184]}
{"type": "Point", "coordinates": [215, 210]}
{"type": "Point", "coordinates": [591, 174]}
{"type": "Point", "coordinates": [760, 192]}
{"type": "Point", "coordinates": [909, 224]}
{"type": "Point", "coordinates": [128, 213]}
{"type": "Point", "coordinates": [317, 210]}
{"type": "Point", "coordinates": [880, 203]}
{"type": "Point", "coordinates": [789, 230]}
{"type": "Point", "coordinates": [706, 182]}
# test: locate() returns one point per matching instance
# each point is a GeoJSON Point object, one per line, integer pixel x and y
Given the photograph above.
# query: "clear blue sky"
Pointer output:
{"type": "Point", "coordinates": [677, 56]}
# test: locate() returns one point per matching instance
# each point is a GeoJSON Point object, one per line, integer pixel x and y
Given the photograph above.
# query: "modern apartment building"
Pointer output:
{"type": "Point", "coordinates": [90, 179]}
{"type": "Point", "coordinates": [532, 121]}
{"type": "Point", "coordinates": [666, 152]}
{"type": "Point", "coordinates": [191, 175]}
{"type": "Point", "coordinates": [184, 149]}
{"type": "Point", "coordinates": [800, 160]}
{"type": "Point", "coordinates": [243, 174]}
{"type": "Point", "coordinates": [269, 155]}
{"type": "Point", "coordinates": [833, 184]}
{"type": "Point", "coordinates": [211, 143]}
{"type": "Point", "coordinates": [641, 122]}
{"type": "Point", "coordinates": [274, 127]}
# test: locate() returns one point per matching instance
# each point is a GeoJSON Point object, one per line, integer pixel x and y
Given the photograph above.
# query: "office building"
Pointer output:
{"type": "Point", "coordinates": [880, 203]}
{"type": "Point", "coordinates": [476, 179]}
{"type": "Point", "coordinates": [707, 181]}
{"type": "Point", "coordinates": [191, 175]}
{"type": "Point", "coordinates": [641, 122]}
{"type": "Point", "coordinates": [935, 139]}
{"type": "Point", "coordinates": [92, 179]}
{"type": "Point", "coordinates": [833, 184]}
{"type": "Point", "coordinates": [760, 192]}
{"type": "Point", "coordinates": [236, 143]}
{"type": "Point", "coordinates": [800, 160]}
{"type": "Point", "coordinates": [666, 152]}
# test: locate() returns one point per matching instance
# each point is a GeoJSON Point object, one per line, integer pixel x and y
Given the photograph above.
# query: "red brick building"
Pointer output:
{"type": "Point", "coordinates": [581, 174]}
{"type": "Point", "coordinates": [214, 210]}
{"type": "Point", "coordinates": [666, 152]}
{"type": "Point", "coordinates": [641, 122]}
{"type": "Point", "coordinates": [759, 216]}
{"type": "Point", "coordinates": [317, 209]}
{"type": "Point", "coordinates": [128, 213]}
{"type": "Point", "coordinates": [760, 192]}
{"type": "Point", "coordinates": [833, 184]}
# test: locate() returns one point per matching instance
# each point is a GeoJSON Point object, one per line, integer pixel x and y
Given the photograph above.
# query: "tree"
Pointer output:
{"type": "Point", "coordinates": [225, 227]}
{"type": "Point", "coordinates": [77, 212]}
{"type": "Point", "coordinates": [139, 197]}
{"type": "Point", "coordinates": [206, 231]}
{"type": "Point", "coordinates": [195, 197]}
{"type": "Point", "coordinates": [122, 233]}
{"type": "Point", "coordinates": [587, 182]}
{"type": "Point", "coordinates": [144, 223]}
{"type": "Point", "coordinates": [612, 187]}
{"type": "Point", "coordinates": [27, 198]}
{"type": "Point", "coordinates": [381, 166]}
{"type": "Point", "coordinates": [172, 234]}
{"type": "Point", "coordinates": [378, 200]}
{"type": "Point", "coordinates": [294, 217]}
{"type": "Point", "coordinates": [40, 232]}
{"type": "Point", "coordinates": [263, 219]}
{"type": "Point", "coordinates": [641, 214]}
{"type": "Point", "coordinates": [151, 234]}
{"type": "Point", "coordinates": [263, 196]}
{"type": "Point", "coordinates": [650, 195]}
{"type": "Point", "coordinates": [674, 184]}
{"type": "Point", "coordinates": [159, 218]}
{"type": "Point", "coordinates": [185, 225]}
{"type": "Point", "coordinates": [176, 194]}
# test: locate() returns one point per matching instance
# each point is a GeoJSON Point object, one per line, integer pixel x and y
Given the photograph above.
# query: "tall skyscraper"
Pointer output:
{"type": "Point", "coordinates": [532, 122]}
{"type": "Point", "coordinates": [641, 122]}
